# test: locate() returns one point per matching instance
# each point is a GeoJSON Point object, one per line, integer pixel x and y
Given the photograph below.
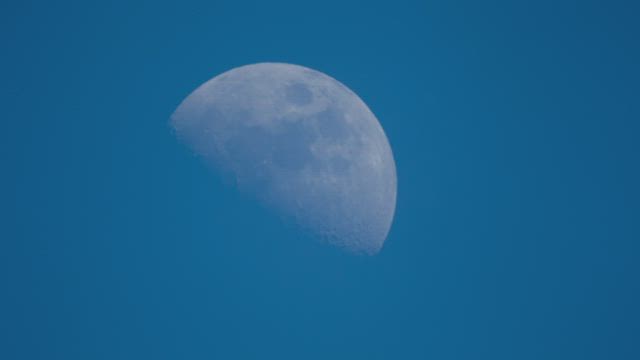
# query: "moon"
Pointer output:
{"type": "Point", "coordinates": [301, 143]}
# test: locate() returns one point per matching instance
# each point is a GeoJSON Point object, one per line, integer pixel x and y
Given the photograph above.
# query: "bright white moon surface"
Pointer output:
{"type": "Point", "coordinates": [301, 143]}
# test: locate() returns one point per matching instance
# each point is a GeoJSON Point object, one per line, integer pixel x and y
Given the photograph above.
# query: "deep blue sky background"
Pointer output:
{"type": "Point", "coordinates": [514, 125]}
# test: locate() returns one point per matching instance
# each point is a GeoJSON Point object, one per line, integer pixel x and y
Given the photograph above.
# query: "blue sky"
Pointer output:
{"type": "Point", "coordinates": [514, 127]}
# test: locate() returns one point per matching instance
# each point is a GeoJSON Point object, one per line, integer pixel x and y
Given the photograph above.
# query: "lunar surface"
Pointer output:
{"type": "Point", "coordinates": [300, 142]}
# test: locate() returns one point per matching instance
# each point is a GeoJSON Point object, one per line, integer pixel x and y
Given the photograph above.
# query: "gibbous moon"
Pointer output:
{"type": "Point", "coordinates": [300, 142]}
